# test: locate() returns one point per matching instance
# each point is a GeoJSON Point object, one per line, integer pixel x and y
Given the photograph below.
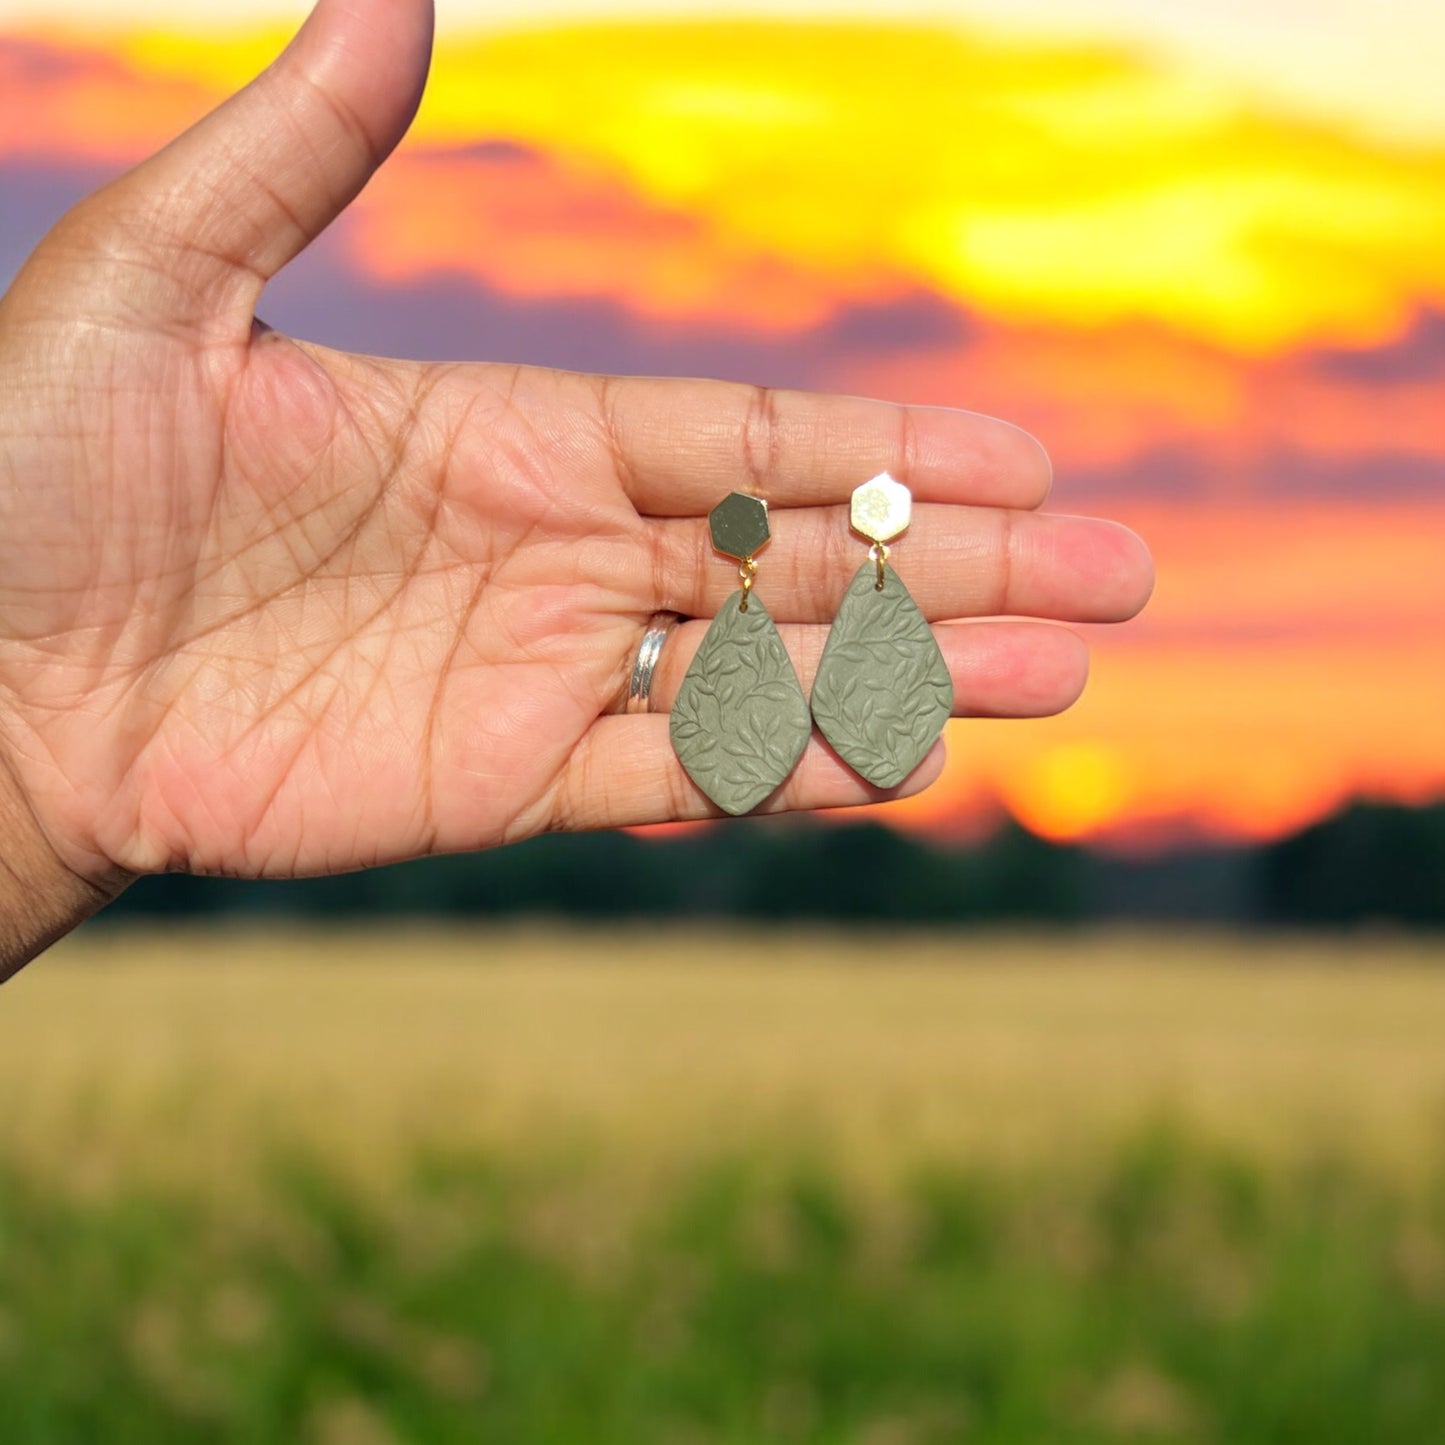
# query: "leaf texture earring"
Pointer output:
{"type": "Point", "coordinates": [883, 692]}
{"type": "Point", "coordinates": [740, 721]}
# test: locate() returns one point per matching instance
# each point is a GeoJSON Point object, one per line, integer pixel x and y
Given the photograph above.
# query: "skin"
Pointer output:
{"type": "Point", "coordinates": [268, 609]}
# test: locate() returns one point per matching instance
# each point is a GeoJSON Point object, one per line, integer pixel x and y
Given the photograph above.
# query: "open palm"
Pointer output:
{"type": "Point", "coordinates": [267, 608]}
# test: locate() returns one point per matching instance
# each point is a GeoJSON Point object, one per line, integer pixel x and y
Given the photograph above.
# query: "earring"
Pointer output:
{"type": "Point", "coordinates": [740, 721]}
{"type": "Point", "coordinates": [883, 692]}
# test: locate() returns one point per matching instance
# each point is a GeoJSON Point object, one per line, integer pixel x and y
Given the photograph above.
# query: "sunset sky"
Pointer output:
{"type": "Point", "coordinates": [1198, 250]}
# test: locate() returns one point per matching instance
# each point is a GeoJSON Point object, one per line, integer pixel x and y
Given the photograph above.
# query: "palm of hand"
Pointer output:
{"type": "Point", "coordinates": [318, 612]}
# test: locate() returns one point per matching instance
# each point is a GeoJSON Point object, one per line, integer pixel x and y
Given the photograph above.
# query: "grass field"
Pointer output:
{"type": "Point", "coordinates": [545, 1187]}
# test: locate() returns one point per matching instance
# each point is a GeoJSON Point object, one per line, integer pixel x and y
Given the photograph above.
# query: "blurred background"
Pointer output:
{"type": "Point", "coordinates": [1114, 1107]}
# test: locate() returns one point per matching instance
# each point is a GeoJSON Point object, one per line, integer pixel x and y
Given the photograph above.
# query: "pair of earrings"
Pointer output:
{"type": "Point", "coordinates": [882, 694]}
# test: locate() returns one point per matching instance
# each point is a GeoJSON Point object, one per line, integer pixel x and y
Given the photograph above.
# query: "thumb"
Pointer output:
{"type": "Point", "coordinates": [201, 227]}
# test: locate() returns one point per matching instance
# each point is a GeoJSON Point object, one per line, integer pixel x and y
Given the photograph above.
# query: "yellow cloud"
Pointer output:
{"type": "Point", "coordinates": [1029, 182]}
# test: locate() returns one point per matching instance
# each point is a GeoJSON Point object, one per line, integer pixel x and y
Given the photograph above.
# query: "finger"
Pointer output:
{"type": "Point", "coordinates": [999, 669]}
{"type": "Point", "coordinates": [956, 561]}
{"type": "Point", "coordinates": [201, 226]}
{"type": "Point", "coordinates": [624, 773]}
{"type": "Point", "coordinates": [681, 445]}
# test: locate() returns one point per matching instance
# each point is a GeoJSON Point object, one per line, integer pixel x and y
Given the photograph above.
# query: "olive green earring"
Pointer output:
{"type": "Point", "coordinates": [740, 721]}
{"type": "Point", "coordinates": [883, 693]}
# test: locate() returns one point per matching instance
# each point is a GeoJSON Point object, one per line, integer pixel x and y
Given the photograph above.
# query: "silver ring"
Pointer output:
{"type": "Point", "coordinates": [639, 686]}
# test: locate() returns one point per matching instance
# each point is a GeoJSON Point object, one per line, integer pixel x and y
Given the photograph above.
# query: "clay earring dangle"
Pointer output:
{"type": "Point", "coordinates": [740, 721]}
{"type": "Point", "coordinates": [883, 692]}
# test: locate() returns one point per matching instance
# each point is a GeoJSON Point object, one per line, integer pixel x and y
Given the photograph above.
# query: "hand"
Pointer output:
{"type": "Point", "coordinates": [267, 608]}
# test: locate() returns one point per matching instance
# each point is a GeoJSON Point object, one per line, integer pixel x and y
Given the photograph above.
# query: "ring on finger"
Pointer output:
{"type": "Point", "coordinates": [660, 627]}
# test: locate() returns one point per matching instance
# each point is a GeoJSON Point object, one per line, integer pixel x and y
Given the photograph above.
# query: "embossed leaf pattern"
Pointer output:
{"type": "Point", "coordinates": [740, 721]}
{"type": "Point", "coordinates": [882, 693]}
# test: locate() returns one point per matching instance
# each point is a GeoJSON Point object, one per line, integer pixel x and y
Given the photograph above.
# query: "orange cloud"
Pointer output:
{"type": "Point", "coordinates": [1105, 396]}
{"type": "Point", "coordinates": [1227, 741]}
{"type": "Point", "coordinates": [65, 100]}
{"type": "Point", "coordinates": [534, 226]}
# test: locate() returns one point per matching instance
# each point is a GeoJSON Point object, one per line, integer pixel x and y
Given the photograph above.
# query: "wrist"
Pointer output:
{"type": "Point", "coordinates": [41, 899]}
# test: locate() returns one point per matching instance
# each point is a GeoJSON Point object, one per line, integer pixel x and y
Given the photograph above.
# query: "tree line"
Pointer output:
{"type": "Point", "coordinates": [1370, 863]}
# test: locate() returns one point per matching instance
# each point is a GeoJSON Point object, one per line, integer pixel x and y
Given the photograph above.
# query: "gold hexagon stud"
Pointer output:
{"type": "Point", "coordinates": [739, 525]}
{"type": "Point", "coordinates": [882, 508]}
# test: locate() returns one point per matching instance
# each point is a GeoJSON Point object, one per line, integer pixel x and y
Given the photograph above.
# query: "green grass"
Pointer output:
{"type": "Point", "coordinates": [544, 1188]}
{"type": "Point", "coordinates": [1173, 1292]}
